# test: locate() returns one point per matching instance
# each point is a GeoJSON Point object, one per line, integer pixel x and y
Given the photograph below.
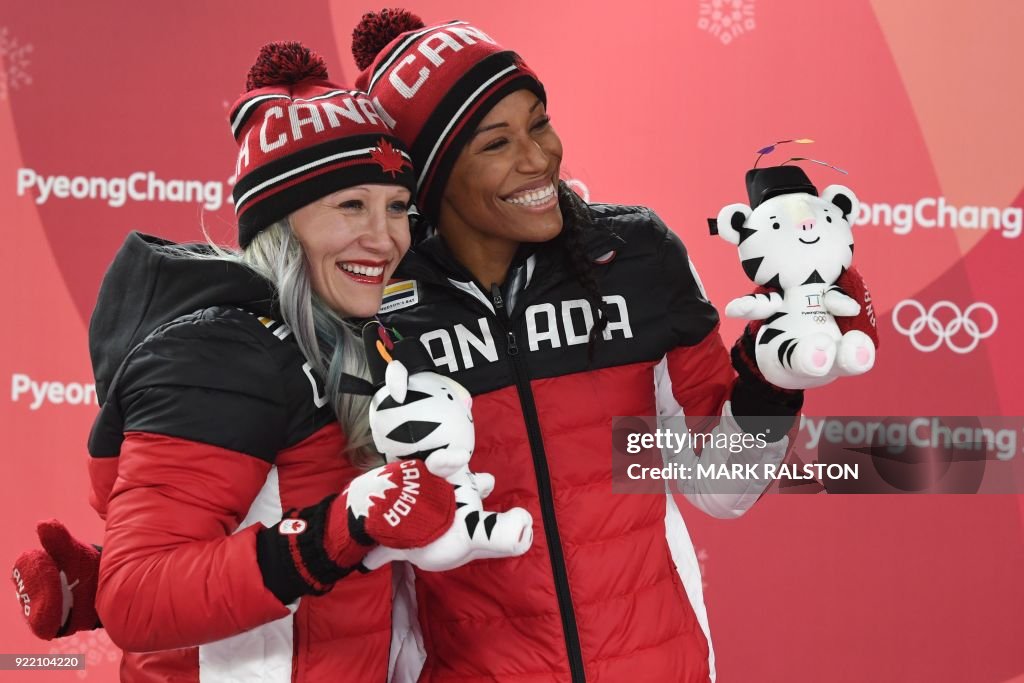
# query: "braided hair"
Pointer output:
{"type": "Point", "coordinates": [576, 219]}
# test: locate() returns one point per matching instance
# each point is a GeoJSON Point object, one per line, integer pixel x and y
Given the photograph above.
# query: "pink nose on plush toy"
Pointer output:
{"type": "Point", "coordinates": [807, 224]}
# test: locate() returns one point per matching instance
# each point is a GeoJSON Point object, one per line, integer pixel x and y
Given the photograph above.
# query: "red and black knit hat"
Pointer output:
{"type": "Point", "coordinates": [301, 137]}
{"type": "Point", "coordinates": [433, 85]}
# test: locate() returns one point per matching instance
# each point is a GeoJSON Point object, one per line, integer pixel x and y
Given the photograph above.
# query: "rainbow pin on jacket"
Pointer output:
{"type": "Point", "coordinates": [418, 413]}
{"type": "Point", "coordinates": [798, 243]}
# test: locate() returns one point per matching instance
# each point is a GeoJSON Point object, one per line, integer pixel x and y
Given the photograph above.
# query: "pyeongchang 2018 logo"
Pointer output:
{"type": "Point", "coordinates": [141, 186]}
{"type": "Point", "coordinates": [35, 393]}
{"type": "Point", "coordinates": [929, 213]}
{"type": "Point", "coordinates": [726, 19]}
{"type": "Point", "coordinates": [944, 324]}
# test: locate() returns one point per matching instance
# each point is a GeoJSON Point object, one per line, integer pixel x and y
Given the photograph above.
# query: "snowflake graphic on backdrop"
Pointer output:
{"type": "Point", "coordinates": [96, 646]}
{"type": "Point", "coordinates": [15, 60]}
{"type": "Point", "coordinates": [726, 19]}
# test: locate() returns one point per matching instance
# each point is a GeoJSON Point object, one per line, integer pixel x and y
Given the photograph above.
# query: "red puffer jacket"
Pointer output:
{"type": "Point", "coordinates": [211, 428]}
{"type": "Point", "coordinates": [599, 595]}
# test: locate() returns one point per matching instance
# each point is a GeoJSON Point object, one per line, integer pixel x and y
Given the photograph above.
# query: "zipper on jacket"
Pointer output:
{"type": "Point", "coordinates": [547, 504]}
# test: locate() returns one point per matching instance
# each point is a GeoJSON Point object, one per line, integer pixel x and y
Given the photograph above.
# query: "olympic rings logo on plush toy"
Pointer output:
{"type": "Point", "coordinates": [945, 332]}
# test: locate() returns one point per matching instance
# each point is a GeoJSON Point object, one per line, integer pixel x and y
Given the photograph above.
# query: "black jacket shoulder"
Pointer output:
{"type": "Point", "coordinates": [660, 263]}
{"type": "Point", "coordinates": [220, 348]}
{"type": "Point", "coordinates": [638, 226]}
{"type": "Point", "coordinates": [220, 376]}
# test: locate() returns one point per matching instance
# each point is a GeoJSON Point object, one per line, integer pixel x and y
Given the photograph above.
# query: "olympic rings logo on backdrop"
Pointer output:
{"type": "Point", "coordinates": [945, 332]}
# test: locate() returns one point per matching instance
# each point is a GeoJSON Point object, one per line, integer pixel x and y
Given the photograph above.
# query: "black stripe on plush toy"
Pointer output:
{"type": "Point", "coordinates": [412, 431]}
{"type": "Point", "coordinates": [785, 346]}
{"type": "Point", "coordinates": [814, 279]}
{"type": "Point", "coordinates": [751, 265]}
{"type": "Point", "coordinates": [489, 523]}
{"type": "Point", "coordinates": [789, 356]}
{"type": "Point", "coordinates": [410, 397]}
{"type": "Point", "coordinates": [472, 519]}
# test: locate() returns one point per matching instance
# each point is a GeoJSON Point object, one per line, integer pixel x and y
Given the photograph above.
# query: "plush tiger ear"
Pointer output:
{"type": "Point", "coordinates": [731, 222]}
{"type": "Point", "coordinates": [844, 199]}
{"type": "Point", "coordinates": [396, 379]}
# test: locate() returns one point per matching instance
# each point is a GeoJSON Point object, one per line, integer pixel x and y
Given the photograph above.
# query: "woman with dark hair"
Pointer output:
{"type": "Point", "coordinates": [557, 316]}
{"type": "Point", "coordinates": [229, 457]}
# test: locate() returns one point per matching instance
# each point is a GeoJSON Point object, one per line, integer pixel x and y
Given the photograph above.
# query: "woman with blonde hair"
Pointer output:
{"type": "Point", "coordinates": [230, 455]}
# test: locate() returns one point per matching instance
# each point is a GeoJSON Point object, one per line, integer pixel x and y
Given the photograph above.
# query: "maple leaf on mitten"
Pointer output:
{"type": "Point", "coordinates": [401, 504]}
{"type": "Point", "coordinates": [56, 586]}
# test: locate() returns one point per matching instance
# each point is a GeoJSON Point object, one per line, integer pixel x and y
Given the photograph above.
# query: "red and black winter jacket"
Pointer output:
{"type": "Point", "coordinates": [212, 427]}
{"type": "Point", "coordinates": [598, 596]}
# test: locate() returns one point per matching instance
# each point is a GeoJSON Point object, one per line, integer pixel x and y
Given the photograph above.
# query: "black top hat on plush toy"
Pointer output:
{"type": "Point", "coordinates": [382, 347]}
{"type": "Point", "coordinates": [771, 181]}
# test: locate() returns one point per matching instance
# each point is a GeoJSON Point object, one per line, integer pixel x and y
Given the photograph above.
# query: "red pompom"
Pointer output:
{"type": "Point", "coordinates": [285, 64]}
{"type": "Point", "coordinates": [377, 29]}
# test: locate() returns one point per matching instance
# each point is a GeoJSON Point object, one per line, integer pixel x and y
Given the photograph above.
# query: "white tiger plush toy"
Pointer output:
{"type": "Point", "coordinates": [798, 243]}
{"type": "Point", "coordinates": [421, 414]}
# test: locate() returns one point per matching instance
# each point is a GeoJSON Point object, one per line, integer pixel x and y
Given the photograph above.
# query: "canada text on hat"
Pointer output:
{"type": "Point", "coordinates": [288, 119]}
{"type": "Point", "coordinates": [407, 70]}
{"type": "Point", "coordinates": [423, 67]}
{"type": "Point", "coordinates": [302, 137]}
{"type": "Point", "coordinates": [433, 85]}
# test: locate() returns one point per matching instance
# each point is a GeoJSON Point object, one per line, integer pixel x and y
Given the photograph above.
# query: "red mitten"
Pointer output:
{"type": "Point", "coordinates": [853, 286]}
{"type": "Point", "coordinates": [401, 505]}
{"type": "Point", "coordinates": [56, 586]}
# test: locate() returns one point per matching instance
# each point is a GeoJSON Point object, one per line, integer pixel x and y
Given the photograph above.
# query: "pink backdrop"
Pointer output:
{"type": "Point", "coordinates": [658, 103]}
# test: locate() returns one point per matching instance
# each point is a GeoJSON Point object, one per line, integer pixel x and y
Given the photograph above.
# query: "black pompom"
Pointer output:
{"type": "Point", "coordinates": [285, 63]}
{"type": "Point", "coordinates": [377, 29]}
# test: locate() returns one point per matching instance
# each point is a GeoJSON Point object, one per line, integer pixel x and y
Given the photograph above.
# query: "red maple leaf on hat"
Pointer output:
{"type": "Point", "coordinates": [389, 158]}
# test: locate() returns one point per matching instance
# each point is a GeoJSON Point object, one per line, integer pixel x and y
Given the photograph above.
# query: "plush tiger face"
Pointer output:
{"type": "Point", "coordinates": [793, 239]}
{"type": "Point", "coordinates": [414, 415]}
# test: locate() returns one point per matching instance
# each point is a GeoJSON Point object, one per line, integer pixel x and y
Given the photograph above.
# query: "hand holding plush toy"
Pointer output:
{"type": "Point", "coordinates": [418, 413]}
{"type": "Point", "coordinates": [798, 244]}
